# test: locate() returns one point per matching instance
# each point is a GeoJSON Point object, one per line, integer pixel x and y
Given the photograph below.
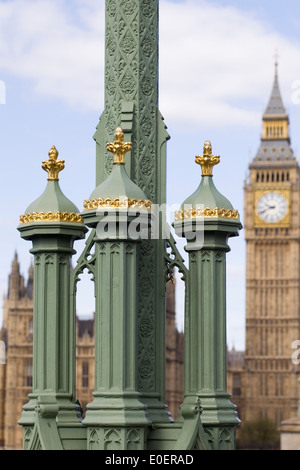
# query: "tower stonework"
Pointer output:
{"type": "Point", "coordinates": [272, 233]}
{"type": "Point", "coordinates": [174, 355]}
{"type": "Point", "coordinates": [16, 373]}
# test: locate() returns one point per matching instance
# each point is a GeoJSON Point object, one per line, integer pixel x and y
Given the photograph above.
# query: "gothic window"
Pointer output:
{"type": "Point", "coordinates": [85, 374]}
{"type": "Point", "coordinates": [28, 373]}
{"type": "Point", "coordinates": [236, 385]}
{"type": "Point", "coordinates": [30, 327]}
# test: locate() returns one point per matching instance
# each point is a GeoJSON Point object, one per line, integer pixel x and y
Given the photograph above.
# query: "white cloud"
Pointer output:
{"type": "Point", "coordinates": [61, 55]}
{"type": "Point", "coordinates": [219, 58]}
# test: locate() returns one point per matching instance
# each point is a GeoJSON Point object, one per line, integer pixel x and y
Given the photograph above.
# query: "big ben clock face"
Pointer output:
{"type": "Point", "coordinates": [272, 207]}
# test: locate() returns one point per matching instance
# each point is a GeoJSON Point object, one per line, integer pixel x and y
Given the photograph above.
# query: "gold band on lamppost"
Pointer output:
{"type": "Point", "coordinates": [193, 213]}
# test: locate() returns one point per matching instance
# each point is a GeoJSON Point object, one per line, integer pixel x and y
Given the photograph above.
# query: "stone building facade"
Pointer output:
{"type": "Point", "coordinates": [264, 382]}
{"type": "Point", "coordinates": [16, 373]}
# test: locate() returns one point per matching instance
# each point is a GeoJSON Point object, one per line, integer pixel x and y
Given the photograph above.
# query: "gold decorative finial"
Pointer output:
{"type": "Point", "coordinates": [207, 160]}
{"type": "Point", "coordinates": [53, 166]}
{"type": "Point", "coordinates": [119, 148]}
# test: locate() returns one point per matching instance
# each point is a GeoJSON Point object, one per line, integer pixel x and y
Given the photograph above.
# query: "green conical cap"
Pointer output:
{"type": "Point", "coordinates": [118, 185]}
{"type": "Point", "coordinates": [208, 196]}
{"type": "Point", "coordinates": [207, 201]}
{"type": "Point", "coordinates": [52, 200]}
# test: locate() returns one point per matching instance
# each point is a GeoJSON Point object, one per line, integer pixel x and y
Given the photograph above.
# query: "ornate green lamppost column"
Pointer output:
{"type": "Point", "coordinates": [52, 223]}
{"type": "Point", "coordinates": [131, 101]}
{"type": "Point", "coordinates": [207, 219]}
{"type": "Point", "coordinates": [117, 419]}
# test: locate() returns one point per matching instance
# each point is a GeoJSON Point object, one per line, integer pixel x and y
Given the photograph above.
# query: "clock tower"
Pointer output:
{"type": "Point", "coordinates": [272, 232]}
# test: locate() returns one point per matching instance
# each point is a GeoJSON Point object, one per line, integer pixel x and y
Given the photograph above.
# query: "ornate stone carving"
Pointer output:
{"type": "Point", "coordinates": [206, 256]}
{"type": "Point", "coordinates": [128, 44]}
{"type": "Point", "coordinates": [128, 7]}
{"type": "Point", "coordinates": [133, 439]}
{"type": "Point", "coordinates": [147, 8]}
{"type": "Point", "coordinates": [111, 7]}
{"type": "Point", "coordinates": [112, 439]}
{"type": "Point", "coordinates": [93, 439]}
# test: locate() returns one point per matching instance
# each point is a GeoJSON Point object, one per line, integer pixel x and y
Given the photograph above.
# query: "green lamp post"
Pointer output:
{"type": "Point", "coordinates": [52, 223]}
{"type": "Point", "coordinates": [120, 212]}
{"type": "Point", "coordinates": [131, 101]}
{"type": "Point", "coordinates": [130, 269]}
{"type": "Point", "coordinates": [207, 219]}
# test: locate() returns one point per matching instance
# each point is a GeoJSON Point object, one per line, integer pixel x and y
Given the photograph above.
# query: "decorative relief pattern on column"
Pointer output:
{"type": "Point", "coordinates": [112, 439]}
{"type": "Point", "coordinates": [93, 439]}
{"type": "Point", "coordinates": [27, 433]}
{"type": "Point", "coordinates": [225, 439]}
{"type": "Point", "coordinates": [146, 318]}
{"type": "Point", "coordinates": [206, 256]}
{"type": "Point", "coordinates": [131, 75]}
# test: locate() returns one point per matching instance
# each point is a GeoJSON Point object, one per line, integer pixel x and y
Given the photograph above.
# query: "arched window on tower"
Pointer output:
{"type": "Point", "coordinates": [85, 374]}
{"type": "Point", "coordinates": [28, 373]}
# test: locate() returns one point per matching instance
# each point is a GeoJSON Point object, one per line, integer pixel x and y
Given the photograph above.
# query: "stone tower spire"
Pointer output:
{"type": "Point", "coordinates": [15, 280]}
{"type": "Point", "coordinates": [275, 105]}
{"type": "Point", "coordinates": [29, 287]}
{"type": "Point", "coordinates": [275, 140]}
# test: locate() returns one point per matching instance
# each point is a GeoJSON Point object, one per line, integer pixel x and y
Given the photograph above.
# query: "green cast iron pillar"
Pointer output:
{"type": "Point", "coordinates": [120, 212]}
{"type": "Point", "coordinates": [52, 223]}
{"type": "Point", "coordinates": [131, 101]}
{"type": "Point", "coordinates": [207, 220]}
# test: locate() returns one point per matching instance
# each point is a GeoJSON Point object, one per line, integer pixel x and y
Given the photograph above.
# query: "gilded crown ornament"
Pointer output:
{"type": "Point", "coordinates": [109, 196]}
{"type": "Point", "coordinates": [119, 148]}
{"type": "Point", "coordinates": [63, 209]}
{"type": "Point", "coordinates": [53, 166]}
{"type": "Point", "coordinates": [207, 160]}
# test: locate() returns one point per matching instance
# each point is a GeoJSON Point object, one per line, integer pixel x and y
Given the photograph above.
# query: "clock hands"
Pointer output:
{"type": "Point", "coordinates": [267, 208]}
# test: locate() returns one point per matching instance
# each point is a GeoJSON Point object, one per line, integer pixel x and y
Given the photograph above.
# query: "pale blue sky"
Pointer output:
{"type": "Point", "coordinates": [216, 75]}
